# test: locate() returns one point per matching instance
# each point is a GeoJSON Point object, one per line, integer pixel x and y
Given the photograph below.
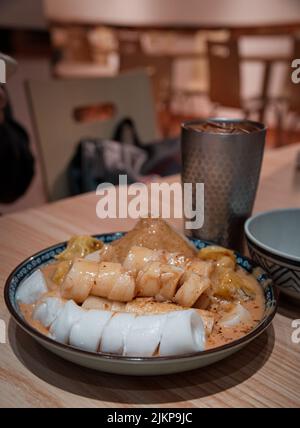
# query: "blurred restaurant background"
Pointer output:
{"type": "Point", "coordinates": [84, 66]}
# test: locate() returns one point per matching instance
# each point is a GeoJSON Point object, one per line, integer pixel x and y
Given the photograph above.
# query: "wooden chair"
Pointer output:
{"type": "Point", "coordinates": [225, 78]}
{"type": "Point", "coordinates": [54, 104]}
{"type": "Point", "coordinates": [196, 82]}
{"type": "Point", "coordinates": [159, 68]}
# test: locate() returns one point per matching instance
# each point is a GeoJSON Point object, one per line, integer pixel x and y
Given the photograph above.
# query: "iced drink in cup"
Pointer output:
{"type": "Point", "coordinates": [226, 156]}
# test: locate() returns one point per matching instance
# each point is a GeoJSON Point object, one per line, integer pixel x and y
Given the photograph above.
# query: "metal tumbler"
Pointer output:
{"type": "Point", "coordinates": [225, 155]}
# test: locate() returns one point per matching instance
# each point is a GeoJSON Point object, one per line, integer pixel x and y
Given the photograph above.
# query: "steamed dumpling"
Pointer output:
{"type": "Point", "coordinates": [32, 288]}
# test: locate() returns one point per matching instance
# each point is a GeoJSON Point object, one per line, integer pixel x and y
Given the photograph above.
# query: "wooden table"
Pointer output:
{"type": "Point", "coordinates": [265, 373]}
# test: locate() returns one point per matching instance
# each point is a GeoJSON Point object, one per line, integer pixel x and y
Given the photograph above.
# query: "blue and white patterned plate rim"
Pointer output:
{"type": "Point", "coordinates": [47, 255]}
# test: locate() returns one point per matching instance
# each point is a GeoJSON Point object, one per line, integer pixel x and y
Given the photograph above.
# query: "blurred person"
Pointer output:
{"type": "Point", "coordinates": [16, 159]}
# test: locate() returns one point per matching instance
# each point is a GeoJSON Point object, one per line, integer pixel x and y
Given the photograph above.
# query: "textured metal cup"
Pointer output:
{"type": "Point", "coordinates": [229, 166]}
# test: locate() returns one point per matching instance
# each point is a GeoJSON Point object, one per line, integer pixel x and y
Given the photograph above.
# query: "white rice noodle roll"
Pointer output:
{"type": "Point", "coordinates": [32, 288]}
{"type": "Point", "coordinates": [201, 267]}
{"type": "Point", "coordinates": [61, 327]}
{"type": "Point", "coordinates": [144, 335]}
{"type": "Point", "coordinates": [80, 280]}
{"type": "Point", "coordinates": [169, 280]}
{"type": "Point", "coordinates": [93, 257]}
{"type": "Point", "coordinates": [138, 257]}
{"type": "Point", "coordinates": [115, 333]}
{"type": "Point", "coordinates": [48, 310]}
{"type": "Point", "coordinates": [208, 320]}
{"type": "Point", "coordinates": [123, 290]}
{"type": "Point", "coordinates": [108, 273]}
{"type": "Point", "coordinates": [237, 315]}
{"type": "Point", "coordinates": [148, 279]}
{"type": "Point", "coordinates": [87, 331]}
{"type": "Point", "coordinates": [191, 289]}
{"type": "Point", "coordinates": [183, 333]}
{"type": "Point", "coordinates": [94, 302]}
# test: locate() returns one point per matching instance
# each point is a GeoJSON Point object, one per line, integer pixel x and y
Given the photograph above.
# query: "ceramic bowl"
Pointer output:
{"type": "Point", "coordinates": [273, 239]}
{"type": "Point", "coordinates": [134, 365]}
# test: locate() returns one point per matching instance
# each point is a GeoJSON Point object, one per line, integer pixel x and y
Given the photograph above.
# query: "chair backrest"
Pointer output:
{"type": "Point", "coordinates": [159, 67]}
{"type": "Point", "coordinates": [224, 73]}
{"type": "Point", "coordinates": [53, 103]}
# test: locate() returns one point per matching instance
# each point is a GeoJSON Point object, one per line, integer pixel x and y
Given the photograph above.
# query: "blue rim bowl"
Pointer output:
{"type": "Point", "coordinates": [273, 239]}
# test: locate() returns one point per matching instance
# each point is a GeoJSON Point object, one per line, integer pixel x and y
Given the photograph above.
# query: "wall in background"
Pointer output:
{"type": "Point", "coordinates": [22, 14]}
{"type": "Point", "coordinates": [159, 12]}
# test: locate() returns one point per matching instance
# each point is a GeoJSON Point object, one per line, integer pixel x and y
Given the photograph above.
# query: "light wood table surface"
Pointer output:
{"type": "Point", "coordinates": [265, 373]}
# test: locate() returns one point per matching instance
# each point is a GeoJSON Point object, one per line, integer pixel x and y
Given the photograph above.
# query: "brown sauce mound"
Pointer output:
{"type": "Point", "coordinates": [154, 234]}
